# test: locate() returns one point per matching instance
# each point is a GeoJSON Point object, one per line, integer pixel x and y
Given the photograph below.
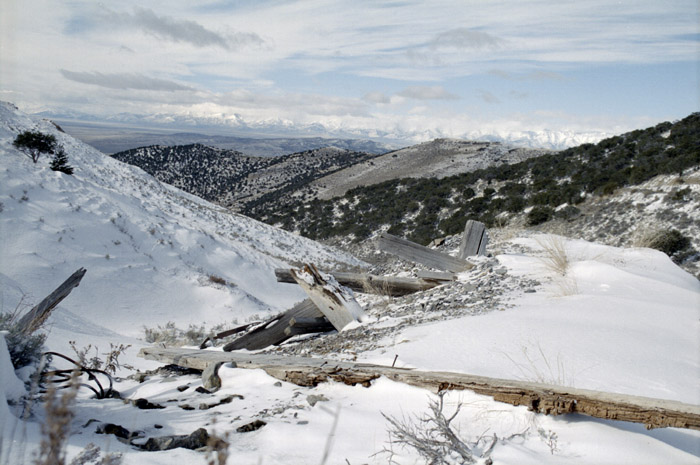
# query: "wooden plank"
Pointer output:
{"type": "Point", "coordinates": [417, 253]}
{"type": "Point", "coordinates": [33, 319]}
{"type": "Point", "coordinates": [474, 239]}
{"type": "Point", "coordinates": [272, 331]}
{"type": "Point", "coordinates": [541, 398]}
{"type": "Point", "coordinates": [335, 302]}
{"type": "Point", "coordinates": [437, 276]}
{"type": "Point", "coordinates": [371, 284]}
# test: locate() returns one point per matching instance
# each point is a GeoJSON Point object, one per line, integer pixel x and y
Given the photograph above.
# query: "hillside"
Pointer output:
{"type": "Point", "coordinates": [568, 187]}
{"type": "Point", "coordinates": [153, 253]}
{"type": "Point", "coordinates": [233, 179]}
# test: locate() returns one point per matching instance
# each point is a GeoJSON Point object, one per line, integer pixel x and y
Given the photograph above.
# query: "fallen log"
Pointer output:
{"type": "Point", "coordinates": [417, 253]}
{"type": "Point", "coordinates": [334, 301]}
{"type": "Point", "coordinates": [541, 398]}
{"type": "Point", "coordinates": [371, 284]}
{"type": "Point", "coordinates": [272, 332]}
{"type": "Point", "coordinates": [33, 319]}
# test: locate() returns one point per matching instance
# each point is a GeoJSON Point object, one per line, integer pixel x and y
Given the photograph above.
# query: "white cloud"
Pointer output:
{"type": "Point", "coordinates": [427, 93]}
{"type": "Point", "coordinates": [124, 81]}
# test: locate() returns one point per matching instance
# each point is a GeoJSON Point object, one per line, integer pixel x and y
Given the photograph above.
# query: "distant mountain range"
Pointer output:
{"type": "Point", "coordinates": [277, 137]}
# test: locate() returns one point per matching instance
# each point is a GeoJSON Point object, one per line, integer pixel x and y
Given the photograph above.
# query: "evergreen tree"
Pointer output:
{"type": "Point", "coordinates": [60, 163]}
{"type": "Point", "coordinates": [34, 143]}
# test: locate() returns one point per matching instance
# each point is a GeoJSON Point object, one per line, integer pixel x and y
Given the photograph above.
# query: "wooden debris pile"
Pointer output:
{"type": "Point", "coordinates": [331, 306]}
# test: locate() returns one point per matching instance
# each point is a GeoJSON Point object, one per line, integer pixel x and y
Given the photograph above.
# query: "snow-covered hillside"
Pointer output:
{"type": "Point", "coordinates": [611, 319]}
{"type": "Point", "coordinates": [150, 250]}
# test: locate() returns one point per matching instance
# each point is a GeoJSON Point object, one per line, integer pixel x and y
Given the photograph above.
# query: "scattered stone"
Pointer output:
{"type": "Point", "coordinates": [183, 388]}
{"type": "Point", "coordinates": [145, 404]}
{"type": "Point", "coordinates": [278, 384]}
{"type": "Point", "coordinates": [252, 426]}
{"type": "Point", "coordinates": [157, 426]}
{"type": "Point", "coordinates": [313, 399]}
{"type": "Point", "coordinates": [302, 422]}
{"type": "Point", "coordinates": [186, 407]}
{"type": "Point", "coordinates": [203, 390]}
{"type": "Point", "coordinates": [111, 428]}
{"type": "Point", "coordinates": [192, 441]}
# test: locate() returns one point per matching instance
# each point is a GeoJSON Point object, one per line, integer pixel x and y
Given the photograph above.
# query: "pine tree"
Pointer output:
{"type": "Point", "coordinates": [35, 143]}
{"type": "Point", "coordinates": [60, 163]}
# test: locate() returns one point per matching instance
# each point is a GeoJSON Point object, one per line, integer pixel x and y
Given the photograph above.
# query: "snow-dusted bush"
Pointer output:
{"type": "Point", "coordinates": [24, 349]}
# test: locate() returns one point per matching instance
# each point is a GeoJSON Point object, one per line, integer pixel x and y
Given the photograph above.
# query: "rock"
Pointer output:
{"type": "Point", "coordinates": [111, 428]}
{"type": "Point", "coordinates": [183, 388]}
{"type": "Point", "coordinates": [192, 441]}
{"type": "Point", "coordinates": [313, 399]}
{"type": "Point", "coordinates": [145, 404]}
{"type": "Point", "coordinates": [203, 390]}
{"type": "Point", "coordinates": [252, 426]}
{"type": "Point", "coordinates": [210, 376]}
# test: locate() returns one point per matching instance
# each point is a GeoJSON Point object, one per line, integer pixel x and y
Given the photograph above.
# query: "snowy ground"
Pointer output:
{"type": "Point", "coordinates": [620, 320]}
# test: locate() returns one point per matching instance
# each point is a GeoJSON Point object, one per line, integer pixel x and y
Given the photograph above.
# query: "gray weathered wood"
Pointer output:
{"type": "Point", "coordinates": [33, 319]}
{"type": "Point", "coordinates": [371, 284]}
{"type": "Point", "coordinates": [335, 302]}
{"type": "Point", "coordinates": [541, 398]}
{"type": "Point", "coordinates": [435, 276]}
{"type": "Point", "coordinates": [272, 331]}
{"type": "Point", "coordinates": [417, 253]}
{"type": "Point", "coordinates": [474, 239]}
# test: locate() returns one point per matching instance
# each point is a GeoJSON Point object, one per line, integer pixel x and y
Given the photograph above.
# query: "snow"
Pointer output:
{"type": "Point", "coordinates": [618, 320]}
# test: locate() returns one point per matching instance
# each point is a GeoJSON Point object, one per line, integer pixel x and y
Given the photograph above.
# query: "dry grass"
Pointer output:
{"type": "Point", "coordinates": [56, 427]}
{"type": "Point", "coordinates": [555, 257]}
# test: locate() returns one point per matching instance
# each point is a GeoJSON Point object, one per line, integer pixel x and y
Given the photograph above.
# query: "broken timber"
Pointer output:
{"type": "Point", "coordinates": [274, 331]}
{"type": "Point", "coordinates": [474, 239]}
{"type": "Point", "coordinates": [372, 284]}
{"type": "Point", "coordinates": [417, 253]}
{"type": "Point", "coordinates": [541, 398]}
{"type": "Point", "coordinates": [33, 319]}
{"type": "Point", "coordinates": [335, 302]}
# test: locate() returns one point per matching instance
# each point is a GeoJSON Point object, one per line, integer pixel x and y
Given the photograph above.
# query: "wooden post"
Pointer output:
{"type": "Point", "coordinates": [33, 320]}
{"type": "Point", "coordinates": [335, 302]}
{"type": "Point", "coordinates": [474, 240]}
{"type": "Point", "coordinates": [420, 254]}
{"type": "Point", "coordinates": [540, 398]}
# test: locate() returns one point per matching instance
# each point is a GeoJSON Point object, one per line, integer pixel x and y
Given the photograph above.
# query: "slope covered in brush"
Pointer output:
{"type": "Point", "coordinates": [551, 185]}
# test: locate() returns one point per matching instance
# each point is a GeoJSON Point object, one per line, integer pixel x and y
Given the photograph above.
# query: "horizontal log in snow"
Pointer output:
{"type": "Point", "coordinates": [372, 284]}
{"type": "Point", "coordinates": [541, 398]}
{"type": "Point", "coordinates": [33, 319]}
{"type": "Point", "coordinates": [333, 300]}
{"type": "Point", "coordinates": [417, 253]}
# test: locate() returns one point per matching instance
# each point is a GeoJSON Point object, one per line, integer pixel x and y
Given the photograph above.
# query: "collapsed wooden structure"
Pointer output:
{"type": "Point", "coordinates": [540, 398]}
{"type": "Point", "coordinates": [329, 306]}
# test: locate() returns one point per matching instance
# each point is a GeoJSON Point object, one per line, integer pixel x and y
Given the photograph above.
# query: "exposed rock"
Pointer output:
{"type": "Point", "coordinates": [252, 426]}
{"type": "Point", "coordinates": [313, 399]}
{"type": "Point", "coordinates": [192, 441]}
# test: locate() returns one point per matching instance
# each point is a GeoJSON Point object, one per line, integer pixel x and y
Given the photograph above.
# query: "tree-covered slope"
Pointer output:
{"type": "Point", "coordinates": [552, 185]}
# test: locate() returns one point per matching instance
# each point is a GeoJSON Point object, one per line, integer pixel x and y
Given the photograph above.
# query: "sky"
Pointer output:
{"type": "Point", "coordinates": [395, 68]}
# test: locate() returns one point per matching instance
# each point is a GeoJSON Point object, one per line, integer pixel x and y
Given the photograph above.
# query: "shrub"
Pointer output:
{"type": "Point", "coordinates": [60, 163]}
{"type": "Point", "coordinates": [669, 242]}
{"type": "Point", "coordinates": [539, 215]}
{"type": "Point", "coordinates": [24, 349]}
{"type": "Point", "coordinates": [567, 213]}
{"type": "Point", "coordinates": [34, 143]}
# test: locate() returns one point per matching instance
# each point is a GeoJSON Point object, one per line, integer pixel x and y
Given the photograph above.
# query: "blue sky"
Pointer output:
{"type": "Point", "coordinates": [411, 69]}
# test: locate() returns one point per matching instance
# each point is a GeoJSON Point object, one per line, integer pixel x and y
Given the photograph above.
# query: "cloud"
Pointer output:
{"type": "Point", "coordinates": [124, 81]}
{"type": "Point", "coordinates": [168, 28]}
{"type": "Point", "coordinates": [376, 97]}
{"type": "Point", "coordinates": [463, 38]}
{"type": "Point", "coordinates": [488, 97]}
{"type": "Point", "coordinates": [427, 93]}
{"type": "Point", "coordinates": [531, 76]}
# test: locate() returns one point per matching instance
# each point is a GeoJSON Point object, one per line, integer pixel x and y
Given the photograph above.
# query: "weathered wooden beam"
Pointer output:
{"type": "Point", "coordinates": [371, 284]}
{"type": "Point", "coordinates": [436, 276]}
{"type": "Point", "coordinates": [541, 398]}
{"type": "Point", "coordinates": [417, 253]}
{"type": "Point", "coordinates": [334, 301]}
{"type": "Point", "coordinates": [33, 319]}
{"type": "Point", "coordinates": [272, 331]}
{"type": "Point", "coordinates": [474, 239]}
